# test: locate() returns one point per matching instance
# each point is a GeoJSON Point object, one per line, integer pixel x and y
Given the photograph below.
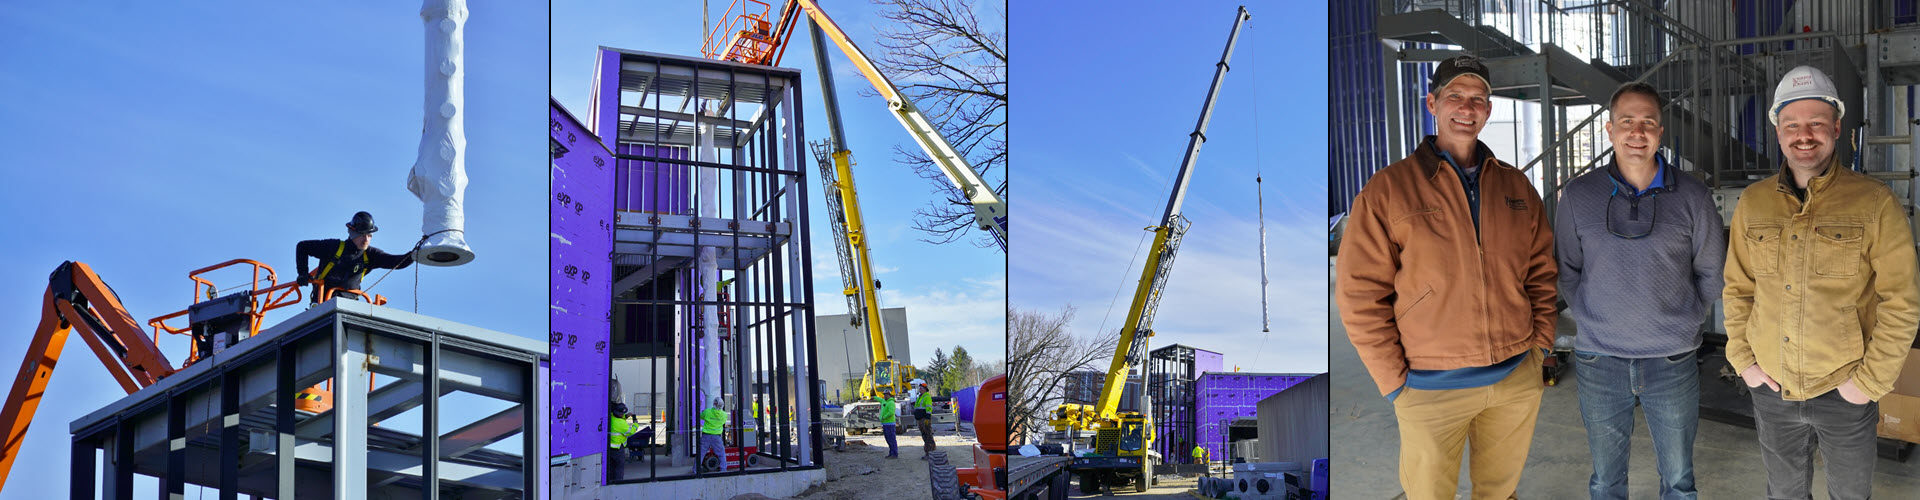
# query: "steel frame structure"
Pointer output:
{"type": "Point", "coordinates": [669, 118]}
{"type": "Point", "coordinates": [224, 422]}
{"type": "Point", "coordinates": [1173, 372]}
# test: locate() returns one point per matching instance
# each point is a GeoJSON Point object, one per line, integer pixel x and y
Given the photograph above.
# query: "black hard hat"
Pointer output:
{"type": "Point", "coordinates": [362, 223]}
{"type": "Point", "coordinates": [620, 409]}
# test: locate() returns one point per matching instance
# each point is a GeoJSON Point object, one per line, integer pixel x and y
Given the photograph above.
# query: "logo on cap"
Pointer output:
{"type": "Point", "coordinates": [1802, 80]}
{"type": "Point", "coordinates": [1468, 62]}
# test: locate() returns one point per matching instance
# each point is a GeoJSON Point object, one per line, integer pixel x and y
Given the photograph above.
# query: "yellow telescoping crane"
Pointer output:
{"type": "Point", "coordinates": [1122, 440]}
{"type": "Point", "coordinates": [752, 39]}
{"type": "Point", "coordinates": [886, 377]}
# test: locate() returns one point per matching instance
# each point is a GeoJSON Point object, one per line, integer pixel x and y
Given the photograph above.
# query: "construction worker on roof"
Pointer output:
{"type": "Point", "coordinates": [713, 421]}
{"type": "Point", "coordinates": [344, 262]}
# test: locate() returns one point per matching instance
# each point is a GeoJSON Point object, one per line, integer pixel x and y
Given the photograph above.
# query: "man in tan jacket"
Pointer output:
{"type": "Point", "coordinates": [1445, 282]}
{"type": "Point", "coordinates": [1820, 299]}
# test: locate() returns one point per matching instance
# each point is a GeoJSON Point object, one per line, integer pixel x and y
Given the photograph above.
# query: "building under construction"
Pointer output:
{"type": "Point", "coordinates": [680, 274]}
{"type": "Point", "coordinates": [237, 420]}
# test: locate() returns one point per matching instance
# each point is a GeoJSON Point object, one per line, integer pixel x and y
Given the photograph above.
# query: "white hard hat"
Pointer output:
{"type": "Point", "coordinates": [1805, 82]}
{"type": "Point", "coordinates": [918, 382]}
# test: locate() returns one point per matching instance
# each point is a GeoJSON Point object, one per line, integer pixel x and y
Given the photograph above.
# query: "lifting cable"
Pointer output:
{"type": "Point", "coordinates": [416, 269]}
{"type": "Point", "coordinates": [1259, 198]}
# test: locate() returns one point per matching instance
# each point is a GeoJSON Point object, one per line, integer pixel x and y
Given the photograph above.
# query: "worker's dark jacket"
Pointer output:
{"type": "Point", "coordinates": [349, 263]}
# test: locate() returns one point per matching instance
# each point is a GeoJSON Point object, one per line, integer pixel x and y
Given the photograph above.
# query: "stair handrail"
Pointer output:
{"type": "Point", "coordinates": [1557, 143]}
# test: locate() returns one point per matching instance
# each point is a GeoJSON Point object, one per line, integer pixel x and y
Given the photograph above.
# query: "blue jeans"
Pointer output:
{"type": "Point", "coordinates": [893, 448]}
{"type": "Point", "coordinates": [1667, 390]}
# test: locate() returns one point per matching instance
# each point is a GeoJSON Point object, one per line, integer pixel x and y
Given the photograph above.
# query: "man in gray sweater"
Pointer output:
{"type": "Point", "coordinates": [1641, 249]}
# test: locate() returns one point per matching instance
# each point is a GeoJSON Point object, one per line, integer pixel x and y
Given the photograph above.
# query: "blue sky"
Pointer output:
{"type": "Point", "coordinates": [955, 294]}
{"type": "Point", "coordinates": [149, 140]}
{"type": "Point", "coordinates": [1102, 123]}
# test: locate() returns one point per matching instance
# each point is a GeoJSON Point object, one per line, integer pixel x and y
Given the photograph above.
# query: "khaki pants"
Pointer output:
{"type": "Point", "coordinates": [1435, 427]}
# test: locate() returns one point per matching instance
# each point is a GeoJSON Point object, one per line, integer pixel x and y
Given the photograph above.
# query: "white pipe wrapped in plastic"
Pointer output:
{"type": "Point", "coordinates": [708, 182]}
{"type": "Point", "coordinates": [439, 175]}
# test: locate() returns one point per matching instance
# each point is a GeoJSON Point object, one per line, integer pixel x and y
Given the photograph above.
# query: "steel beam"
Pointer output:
{"type": "Point", "coordinates": [349, 450]}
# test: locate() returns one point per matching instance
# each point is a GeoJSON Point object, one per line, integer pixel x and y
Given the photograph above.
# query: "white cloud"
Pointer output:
{"type": "Point", "coordinates": [970, 313]}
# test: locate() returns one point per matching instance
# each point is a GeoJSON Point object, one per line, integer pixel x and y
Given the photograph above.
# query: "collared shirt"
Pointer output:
{"type": "Point", "coordinates": [1469, 179]}
{"type": "Point", "coordinates": [1659, 176]}
{"type": "Point", "coordinates": [1459, 378]}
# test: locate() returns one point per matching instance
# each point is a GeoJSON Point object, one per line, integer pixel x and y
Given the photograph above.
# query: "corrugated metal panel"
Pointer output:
{"type": "Point", "coordinates": [1293, 423]}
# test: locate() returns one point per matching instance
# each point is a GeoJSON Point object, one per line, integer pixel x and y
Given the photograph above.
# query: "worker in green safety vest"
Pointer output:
{"type": "Point", "coordinates": [617, 442]}
{"type": "Point", "coordinates": [713, 421]}
{"type": "Point", "coordinates": [1200, 457]}
{"type": "Point", "coordinates": [889, 414]}
{"type": "Point", "coordinates": [923, 412]}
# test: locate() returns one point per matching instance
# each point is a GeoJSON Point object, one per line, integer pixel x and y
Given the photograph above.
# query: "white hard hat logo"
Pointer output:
{"type": "Point", "coordinates": [1803, 80]}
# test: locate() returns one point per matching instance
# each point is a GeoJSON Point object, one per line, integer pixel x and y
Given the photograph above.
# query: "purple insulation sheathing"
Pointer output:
{"type": "Point", "coordinates": [653, 187]}
{"type": "Point", "coordinates": [1222, 397]}
{"type": "Point", "coordinates": [1207, 361]}
{"type": "Point", "coordinates": [605, 115]}
{"type": "Point", "coordinates": [580, 223]}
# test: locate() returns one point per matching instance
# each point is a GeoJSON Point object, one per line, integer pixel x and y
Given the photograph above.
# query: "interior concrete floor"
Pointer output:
{"type": "Point", "coordinates": [1365, 442]}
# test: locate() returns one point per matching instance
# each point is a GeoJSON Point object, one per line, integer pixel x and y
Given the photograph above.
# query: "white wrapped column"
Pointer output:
{"type": "Point", "coordinates": [439, 175]}
{"type": "Point", "coordinates": [708, 184]}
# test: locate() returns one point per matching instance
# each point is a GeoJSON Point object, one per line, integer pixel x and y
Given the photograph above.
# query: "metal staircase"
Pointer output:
{"type": "Point", "coordinates": [1717, 85]}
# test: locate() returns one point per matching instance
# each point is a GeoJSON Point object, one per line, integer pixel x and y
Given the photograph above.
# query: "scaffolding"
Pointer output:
{"type": "Point", "coordinates": [230, 421]}
{"type": "Point", "coordinates": [706, 274]}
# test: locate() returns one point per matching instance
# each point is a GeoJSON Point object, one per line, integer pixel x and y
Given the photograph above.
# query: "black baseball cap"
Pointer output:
{"type": "Point", "coordinates": [1445, 71]}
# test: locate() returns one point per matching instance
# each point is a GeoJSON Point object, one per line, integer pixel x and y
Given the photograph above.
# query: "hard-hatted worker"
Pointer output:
{"type": "Point", "coordinates": [889, 415]}
{"type": "Point", "coordinates": [344, 262]}
{"type": "Point", "coordinates": [923, 413]}
{"type": "Point", "coordinates": [1820, 297]}
{"type": "Point", "coordinates": [617, 442]}
{"type": "Point", "coordinates": [713, 422]}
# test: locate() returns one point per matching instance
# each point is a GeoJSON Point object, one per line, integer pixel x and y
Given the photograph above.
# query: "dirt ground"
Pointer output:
{"type": "Point", "coordinates": [1169, 488]}
{"type": "Point", "coordinates": [863, 470]}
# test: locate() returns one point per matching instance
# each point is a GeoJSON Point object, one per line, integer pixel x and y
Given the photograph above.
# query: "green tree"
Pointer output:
{"type": "Point", "coordinates": [958, 367]}
{"type": "Point", "coordinates": [936, 370]}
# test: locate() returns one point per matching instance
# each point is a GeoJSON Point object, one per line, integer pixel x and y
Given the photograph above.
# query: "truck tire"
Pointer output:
{"type": "Point", "coordinates": [945, 481]}
{"type": "Point", "coordinates": [1057, 487]}
{"type": "Point", "coordinates": [1140, 484]}
{"type": "Point", "coordinates": [1089, 485]}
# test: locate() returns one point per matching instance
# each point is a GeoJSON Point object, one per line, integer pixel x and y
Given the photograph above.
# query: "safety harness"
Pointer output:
{"type": "Point", "coordinates": [337, 252]}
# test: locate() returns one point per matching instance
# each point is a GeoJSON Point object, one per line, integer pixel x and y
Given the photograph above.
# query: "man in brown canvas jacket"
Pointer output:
{"type": "Point", "coordinates": [1446, 283]}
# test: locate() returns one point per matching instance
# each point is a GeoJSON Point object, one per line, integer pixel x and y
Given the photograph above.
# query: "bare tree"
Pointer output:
{"type": "Point", "coordinates": [954, 69]}
{"type": "Point", "coordinates": [1041, 352]}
